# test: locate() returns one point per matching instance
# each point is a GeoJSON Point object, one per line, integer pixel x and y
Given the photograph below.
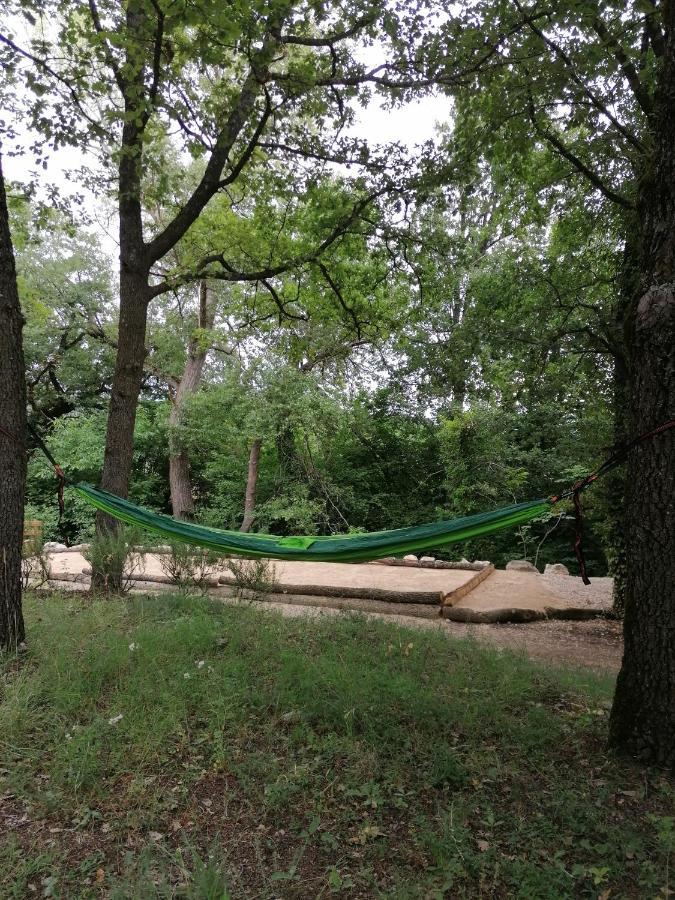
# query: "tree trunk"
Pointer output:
{"type": "Point", "coordinates": [126, 388]}
{"type": "Point", "coordinates": [12, 439]}
{"type": "Point", "coordinates": [642, 722]}
{"type": "Point", "coordinates": [182, 502]}
{"type": "Point", "coordinates": [134, 299]}
{"type": "Point", "coordinates": [251, 485]}
{"type": "Point", "coordinates": [131, 352]}
{"type": "Point", "coordinates": [287, 452]}
{"type": "Point", "coordinates": [615, 488]}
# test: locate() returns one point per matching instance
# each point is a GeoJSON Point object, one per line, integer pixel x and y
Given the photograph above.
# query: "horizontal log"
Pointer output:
{"type": "Point", "coordinates": [322, 590]}
{"type": "Point", "coordinates": [515, 615]}
{"type": "Point", "coordinates": [438, 564]}
{"type": "Point", "coordinates": [355, 604]}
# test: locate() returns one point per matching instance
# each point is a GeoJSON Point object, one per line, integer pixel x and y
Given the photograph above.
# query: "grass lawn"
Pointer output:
{"type": "Point", "coordinates": [173, 747]}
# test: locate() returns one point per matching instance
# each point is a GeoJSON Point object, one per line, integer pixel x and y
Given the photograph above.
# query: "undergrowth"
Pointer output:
{"type": "Point", "coordinates": [178, 747]}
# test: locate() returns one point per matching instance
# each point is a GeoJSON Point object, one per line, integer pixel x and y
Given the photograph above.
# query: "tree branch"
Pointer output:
{"type": "Point", "coordinates": [281, 306]}
{"type": "Point", "coordinates": [341, 300]}
{"type": "Point", "coordinates": [326, 40]}
{"type": "Point", "coordinates": [580, 166]}
{"type": "Point", "coordinates": [157, 55]}
{"type": "Point", "coordinates": [236, 170]}
{"type": "Point", "coordinates": [631, 74]}
{"type": "Point", "coordinates": [229, 273]}
{"type": "Point", "coordinates": [654, 30]}
{"type": "Point", "coordinates": [107, 52]}
{"type": "Point", "coordinates": [592, 96]}
{"type": "Point", "coordinates": [211, 180]}
{"type": "Point", "coordinates": [45, 67]}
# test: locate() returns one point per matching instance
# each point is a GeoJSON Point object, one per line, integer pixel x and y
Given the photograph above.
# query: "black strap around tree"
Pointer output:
{"type": "Point", "coordinates": [616, 459]}
{"type": "Point", "coordinates": [58, 471]}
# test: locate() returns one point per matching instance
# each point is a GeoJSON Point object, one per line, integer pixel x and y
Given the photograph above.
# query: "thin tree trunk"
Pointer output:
{"type": "Point", "coordinates": [182, 502]}
{"type": "Point", "coordinates": [134, 299]}
{"type": "Point", "coordinates": [12, 439]}
{"type": "Point", "coordinates": [126, 388]}
{"type": "Point", "coordinates": [642, 721]}
{"type": "Point", "coordinates": [251, 485]}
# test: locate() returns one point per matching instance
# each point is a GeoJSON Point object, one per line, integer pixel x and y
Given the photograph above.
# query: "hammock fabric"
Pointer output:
{"type": "Point", "coordinates": [342, 548]}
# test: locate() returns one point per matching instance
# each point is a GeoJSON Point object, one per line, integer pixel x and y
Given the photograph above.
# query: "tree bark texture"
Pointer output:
{"type": "Point", "coordinates": [182, 502]}
{"type": "Point", "coordinates": [615, 488]}
{"type": "Point", "coordinates": [251, 485]}
{"type": "Point", "coordinates": [12, 439]}
{"type": "Point", "coordinates": [642, 722]}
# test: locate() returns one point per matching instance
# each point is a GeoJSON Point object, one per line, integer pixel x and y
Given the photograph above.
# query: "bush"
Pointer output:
{"type": "Point", "coordinates": [34, 562]}
{"type": "Point", "coordinates": [252, 577]}
{"type": "Point", "coordinates": [118, 557]}
{"type": "Point", "coordinates": [189, 567]}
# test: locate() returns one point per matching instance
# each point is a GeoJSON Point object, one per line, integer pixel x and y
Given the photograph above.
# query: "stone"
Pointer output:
{"type": "Point", "coordinates": [54, 547]}
{"type": "Point", "coordinates": [427, 561]}
{"type": "Point", "coordinates": [385, 561]}
{"type": "Point", "coordinates": [410, 560]}
{"type": "Point", "coordinates": [78, 548]}
{"type": "Point", "coordinates": [482, 562]}
{"type": "Point", "coordinates": [556, 569]}
{"type": "Point", "coordinates": [521, 565]}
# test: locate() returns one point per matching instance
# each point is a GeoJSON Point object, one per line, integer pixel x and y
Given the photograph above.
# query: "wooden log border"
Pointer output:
{"type": "Point", "coordinates": [453, 597]}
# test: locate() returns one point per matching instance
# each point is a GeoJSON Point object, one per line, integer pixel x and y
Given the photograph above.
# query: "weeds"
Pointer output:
{"type": "Point", "coordinates": [188, 567]}
{"type": "Point", "coordinates": [34, 563]}
{"type": "Point", "coordinates": [252, 578]}
{"type": "Point", "coordinates": [118, 557]}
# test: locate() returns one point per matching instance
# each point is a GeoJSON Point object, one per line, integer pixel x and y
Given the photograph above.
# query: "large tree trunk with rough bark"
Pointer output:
{"type": "Point", "coordinates": [251, 485]}
{"type": "Point", "coordinates": [615, 489]}
{"type": "Point", "coordinates": [12, 439]}
{"type": "Point", "coordinates": [643, 715]}
{"type": "Point", "coordinates": [182, 502]}
{"type": "Point", "coordinates": [615, 484]}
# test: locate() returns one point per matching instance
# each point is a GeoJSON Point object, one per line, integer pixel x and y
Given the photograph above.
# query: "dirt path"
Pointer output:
{"type": "Point", "coordinates": [595, 644]}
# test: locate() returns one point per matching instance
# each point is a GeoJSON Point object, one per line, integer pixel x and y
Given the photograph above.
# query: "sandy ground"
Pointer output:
{"type": "Point", "coordinates": [522, 590]}
{"type": "Point", "coordinates": [346, 575]}
{"type": "Point", "coordinates": [596, 644]}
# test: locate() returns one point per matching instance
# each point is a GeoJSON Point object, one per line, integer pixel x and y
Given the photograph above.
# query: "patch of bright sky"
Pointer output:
{"type": "Point", "coordinates": [409, 124]}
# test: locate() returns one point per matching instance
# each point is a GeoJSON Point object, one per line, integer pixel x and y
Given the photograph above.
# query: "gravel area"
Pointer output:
{"type": "Point", "coordinates": [596, 595]}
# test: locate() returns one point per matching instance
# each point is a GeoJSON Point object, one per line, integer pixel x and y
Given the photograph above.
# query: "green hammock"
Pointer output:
{"type": "Point", "coordinates": [340, 548]}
